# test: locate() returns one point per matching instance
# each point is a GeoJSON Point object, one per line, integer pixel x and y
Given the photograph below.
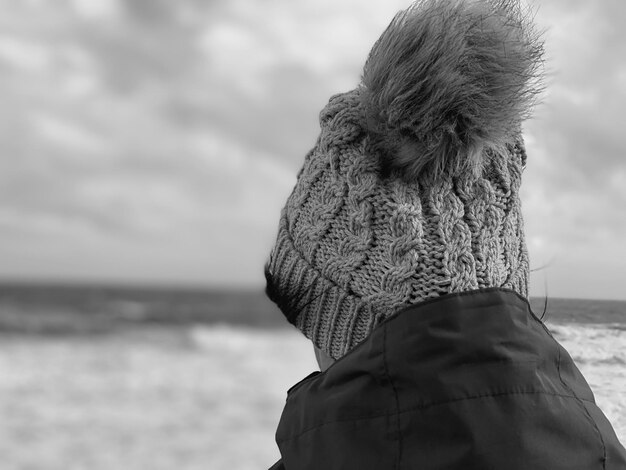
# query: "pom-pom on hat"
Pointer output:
{"type": "Point", "coordinates": [412, 189]}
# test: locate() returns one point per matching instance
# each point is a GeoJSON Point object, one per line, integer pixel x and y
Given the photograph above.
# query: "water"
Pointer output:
{"type": "Point", "coordinates": [193, 397]}
{"type": "Point", "coordinates": [599, 351]}
{"type": "Point", "coordinates": [101, 378]}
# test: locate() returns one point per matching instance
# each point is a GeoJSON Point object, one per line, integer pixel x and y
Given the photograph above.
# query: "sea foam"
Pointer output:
{"type": "Point", "coordinates": [195, 397]}
{"type": "Point", "coordinates": [274, 360]}
{"type": "Point", "coordinates": [599, 351]}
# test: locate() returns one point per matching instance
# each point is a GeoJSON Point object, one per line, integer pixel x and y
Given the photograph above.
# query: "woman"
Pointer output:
{"type": "Point", "coordinates": [401, 255]}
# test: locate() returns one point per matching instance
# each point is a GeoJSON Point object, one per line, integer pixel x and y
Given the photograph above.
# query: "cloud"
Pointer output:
{"type": "Point", "coordinates": [158, 140]}
{"type": "Point", "coordinates": [585, 94]}
{"type": "Point", "coordinates": [276, 65]}
{"type": "Point", "coordinates": [22, 53]}
{"type": "Point", "coordinates": [96, 9]}
{"type": "Point", "coordinates": [573, 188]}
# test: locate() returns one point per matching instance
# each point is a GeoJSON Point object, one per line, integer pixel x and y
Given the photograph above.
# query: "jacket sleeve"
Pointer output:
{"type": "Point", "coordinates": [278, 466]}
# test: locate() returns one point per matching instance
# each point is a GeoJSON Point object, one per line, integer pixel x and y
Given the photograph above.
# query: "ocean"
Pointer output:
{"type": "Point", "coordinates": [103, 378]}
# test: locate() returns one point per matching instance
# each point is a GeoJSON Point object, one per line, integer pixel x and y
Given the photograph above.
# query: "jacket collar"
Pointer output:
{"type": "Point", "coordinates": [422, 356]}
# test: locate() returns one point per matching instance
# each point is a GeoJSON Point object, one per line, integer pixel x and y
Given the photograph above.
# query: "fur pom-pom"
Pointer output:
{"type": "Point", "coordinates": [449, 80]}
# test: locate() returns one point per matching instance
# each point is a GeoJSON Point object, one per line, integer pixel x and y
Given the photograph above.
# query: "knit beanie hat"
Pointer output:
{"type": "Point", "coordinates": [412, 188]}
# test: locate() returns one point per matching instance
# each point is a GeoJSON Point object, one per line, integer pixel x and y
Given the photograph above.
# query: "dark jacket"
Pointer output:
{"type": "Point", "coordinates": [466, 381]}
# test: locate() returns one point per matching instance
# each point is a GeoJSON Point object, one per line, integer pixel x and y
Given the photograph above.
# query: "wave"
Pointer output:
{"type": "Point", "coordinates": [593, 344]}
{"type": "Point", "coordinates": [598, 350]}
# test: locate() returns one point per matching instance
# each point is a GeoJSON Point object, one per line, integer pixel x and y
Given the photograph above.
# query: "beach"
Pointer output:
{"type": "Point", "coordinates": [193, 396]}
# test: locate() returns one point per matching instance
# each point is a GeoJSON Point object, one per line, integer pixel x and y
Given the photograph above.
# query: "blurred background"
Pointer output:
{"type": "Point", "coordinates": [146, 148]}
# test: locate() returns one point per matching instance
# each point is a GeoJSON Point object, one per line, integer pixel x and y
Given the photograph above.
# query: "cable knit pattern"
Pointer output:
{"type": "Point", "coordinates": [354, 246]}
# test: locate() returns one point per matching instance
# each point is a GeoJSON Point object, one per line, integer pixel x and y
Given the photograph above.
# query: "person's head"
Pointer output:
{"type": "Point", "coordinates": [412, 189]}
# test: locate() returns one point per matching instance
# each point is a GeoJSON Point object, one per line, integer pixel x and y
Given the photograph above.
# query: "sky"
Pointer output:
{"type": "Point", "coordinates": [155, 142]}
